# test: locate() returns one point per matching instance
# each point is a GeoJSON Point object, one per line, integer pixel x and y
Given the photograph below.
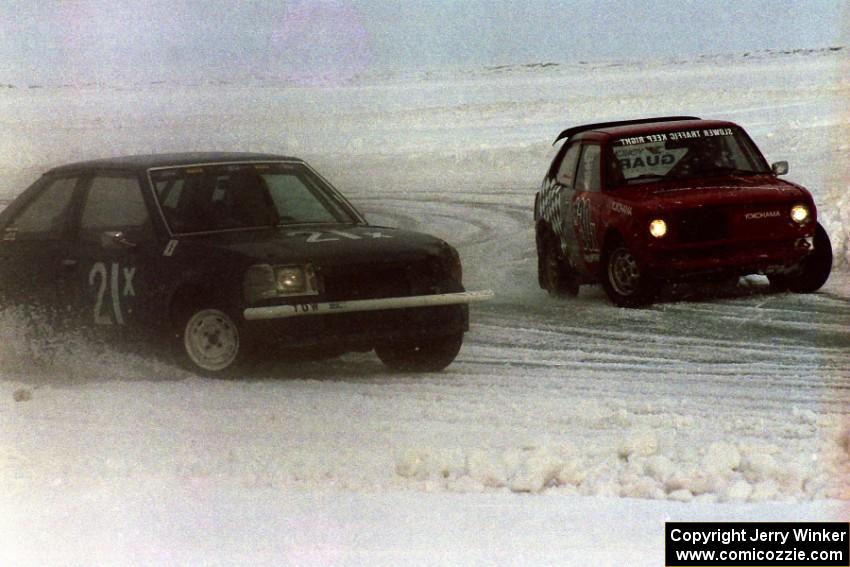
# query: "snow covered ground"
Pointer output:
{"type": "Point", "coordinates": [567, 432]}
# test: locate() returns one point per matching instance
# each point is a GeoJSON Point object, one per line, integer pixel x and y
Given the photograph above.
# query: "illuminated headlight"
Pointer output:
{"type": "Point", "coordinates": [290, 279]}
{"type": "Point", "coordinates": [263, 281]}
{"type": "Point", "coordinates": [658, 228]}
{"type": "Point", "coordinates": [800, 214]}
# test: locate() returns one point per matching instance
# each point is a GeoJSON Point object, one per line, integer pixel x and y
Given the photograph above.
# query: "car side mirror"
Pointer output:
{"type": "Point", "coordinates": [115, 240]}
{"type": "Point", "coordinates": [780, 167]}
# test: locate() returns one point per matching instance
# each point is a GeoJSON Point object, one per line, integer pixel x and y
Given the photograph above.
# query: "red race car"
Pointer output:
{"type": "Point", "coordinates": [635, 203]}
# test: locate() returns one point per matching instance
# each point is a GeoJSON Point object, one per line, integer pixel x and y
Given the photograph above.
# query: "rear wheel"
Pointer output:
{"type": "Point", "coordinates": [426, 354]}
{"type": "Point", "coordinates": [556, 276]}
{"type": "Point", "coordinates": [815, 268]}
{"type": "Point", "coordinates": [624, 279]}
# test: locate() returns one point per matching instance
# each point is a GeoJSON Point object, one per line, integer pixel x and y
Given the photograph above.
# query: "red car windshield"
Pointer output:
{"type": "Point", "coordinates": [683, 154]}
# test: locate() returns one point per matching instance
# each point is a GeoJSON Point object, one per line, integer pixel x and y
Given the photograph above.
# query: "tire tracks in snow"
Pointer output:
{"type": "Point", "coordinates": [744, 347]}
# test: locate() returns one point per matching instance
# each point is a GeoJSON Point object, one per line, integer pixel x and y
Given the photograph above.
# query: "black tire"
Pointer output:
{"type": "Point", "coordinates": [211, 342]}
{"type": "Point", "coordinates": [816, 267]}
{"type": "Point", "coordinates": [556, 277]}
{"type": "Point", "coordinates": [428, 354]}
{"type": "Point", "coordinates": [623, 278]}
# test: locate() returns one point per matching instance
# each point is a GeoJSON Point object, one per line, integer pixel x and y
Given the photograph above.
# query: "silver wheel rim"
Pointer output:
{"type": "Point", "coordinates": [211, 339]}
{"type": "Point", "coordinates": [623, 272]}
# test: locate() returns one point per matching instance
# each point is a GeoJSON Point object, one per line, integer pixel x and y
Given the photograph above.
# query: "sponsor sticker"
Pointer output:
{"type": "Point", "coordinates": [649, 158]}
{"type": "Point", "coordinates": [315, 237]}
{"type": "Point", "coordinates": [762, 215]}
{"type": "Point", "coordinates": [621, 208]}
{"type": "Point", "coordinates": [305, 307]}
{"type": "Point", "coordinates": [673, 136]}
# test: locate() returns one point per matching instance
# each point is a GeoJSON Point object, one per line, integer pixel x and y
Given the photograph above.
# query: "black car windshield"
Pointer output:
{"type": "Point", "coordinates": [236, 196]}
{"type": "Point", "coordinates": [682, 154]}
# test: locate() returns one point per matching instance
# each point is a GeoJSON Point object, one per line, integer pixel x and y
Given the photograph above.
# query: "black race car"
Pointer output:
{"type": "Point", "coordinates": [228, 255]}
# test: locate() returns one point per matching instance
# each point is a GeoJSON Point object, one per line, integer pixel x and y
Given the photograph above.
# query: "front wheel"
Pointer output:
{"type": "Point", "coordinates": [815, 268]}
{"type": "Point", "coordinates": [623, 278]}
{"type": "Point", "coordinates": [427, 354]}
{"type": "Point", "coordinates": [212, 342]}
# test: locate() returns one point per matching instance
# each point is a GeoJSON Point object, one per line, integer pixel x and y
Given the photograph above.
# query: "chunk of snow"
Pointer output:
{"type": "Point", "coordinates": [640, 442]}
{"type": "Point", "coordinates": [721, 459]}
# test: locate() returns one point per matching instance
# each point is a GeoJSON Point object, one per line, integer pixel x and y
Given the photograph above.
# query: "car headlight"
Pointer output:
{"type": "Point", "coordinates": [657, 228]}
{"type": "Point", "coordinates": [290, 279]}
{"type": "Point", "coordinates": [264, 281]}
{"type": "Point", "coordinates": [800, 214]}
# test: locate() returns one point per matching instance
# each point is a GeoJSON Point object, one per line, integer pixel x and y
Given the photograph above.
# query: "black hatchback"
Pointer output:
{"type": "Point", "coordinates": [229, 255]}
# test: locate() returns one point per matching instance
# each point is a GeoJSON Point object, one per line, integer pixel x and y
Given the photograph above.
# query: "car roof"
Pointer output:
{"type": "Point", "coordinates": [622, 128]}
{"type": "Point", "coordinates": [149, 161]}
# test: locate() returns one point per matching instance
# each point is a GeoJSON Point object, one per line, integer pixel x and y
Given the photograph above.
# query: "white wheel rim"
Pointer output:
{"type": "Point", "coordinates": [623, 272]}
{"type": "Point", "coordinates": [211, 339]}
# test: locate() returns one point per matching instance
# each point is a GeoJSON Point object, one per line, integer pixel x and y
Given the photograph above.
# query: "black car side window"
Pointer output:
{"type": "Point", "coordinates": [567, 170]}
{"type": "Point", "coordinates": [115, 203]}
{"type": "Point", "coordinates": [588, 172]}
{"type": "Point", "coordinates": [46, 216]}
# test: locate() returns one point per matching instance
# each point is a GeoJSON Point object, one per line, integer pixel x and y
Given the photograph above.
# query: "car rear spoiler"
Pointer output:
{"type": "Point", "coordinates": [584, 128]}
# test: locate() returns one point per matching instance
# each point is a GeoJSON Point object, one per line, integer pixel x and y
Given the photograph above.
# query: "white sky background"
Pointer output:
{"type": "Point", "coordinates": [104, 40]}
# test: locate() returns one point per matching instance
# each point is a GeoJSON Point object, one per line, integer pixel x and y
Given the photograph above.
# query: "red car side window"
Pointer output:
{"type": "Point", "coordinates": [567, 170]}
{"type": "Point", "coordinates": [588, 178]}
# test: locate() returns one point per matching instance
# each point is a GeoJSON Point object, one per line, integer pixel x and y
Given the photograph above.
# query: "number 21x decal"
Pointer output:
{"type": "Point", "coordinates": [111, 279]}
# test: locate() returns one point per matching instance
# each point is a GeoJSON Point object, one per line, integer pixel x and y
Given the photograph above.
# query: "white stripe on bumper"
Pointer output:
{"type": "Point", "coordinates": [301, 309]}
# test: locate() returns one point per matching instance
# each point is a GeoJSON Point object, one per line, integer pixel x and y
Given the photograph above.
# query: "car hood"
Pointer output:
{"type": "Point", "coordinates": [325, 245]}
{"type": "Point", "coordinates": [750, 190]}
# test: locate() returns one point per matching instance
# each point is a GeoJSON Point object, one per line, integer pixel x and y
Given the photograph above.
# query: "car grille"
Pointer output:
{"type": "Point", "coordinates": [372, 281]}
{"type": "Point", "coordinates": [703, 225]}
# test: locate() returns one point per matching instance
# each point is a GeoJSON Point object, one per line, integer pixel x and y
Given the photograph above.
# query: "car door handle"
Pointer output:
{"type": "Point", "coordinates": [69, 263]}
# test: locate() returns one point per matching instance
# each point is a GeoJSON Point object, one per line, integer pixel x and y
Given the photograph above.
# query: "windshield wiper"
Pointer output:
{"type": "Point", "coordinates": [288, 221]}
{"type": "Point", "coordinates": [644, 177]}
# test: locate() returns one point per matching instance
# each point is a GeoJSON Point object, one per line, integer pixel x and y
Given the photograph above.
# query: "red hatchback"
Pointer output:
{"type": "Point", "coordinates": [635, 203]}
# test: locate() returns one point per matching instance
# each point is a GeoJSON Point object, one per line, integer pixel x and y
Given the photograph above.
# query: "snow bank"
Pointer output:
{"type": "Point", "coordinates": [836, 221]}
{"type": "Point", "coordinates": [721, 472]}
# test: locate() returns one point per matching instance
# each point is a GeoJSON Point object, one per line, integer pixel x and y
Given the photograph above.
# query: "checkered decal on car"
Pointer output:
{"type": "Point", "coordinates": [550, 211]}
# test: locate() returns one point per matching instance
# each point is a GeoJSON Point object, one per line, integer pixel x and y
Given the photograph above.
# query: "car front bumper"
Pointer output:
{"type": "Point", "coordinates": [382, 304]}
{"type": "Point", "coordinates": [361, 324]}
{"type": "Point", "coordinates": [728, 257]}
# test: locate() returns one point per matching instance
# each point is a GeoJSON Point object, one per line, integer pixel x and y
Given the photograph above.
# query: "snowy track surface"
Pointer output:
{"type": "Point", "coordinates": [724, 402]}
